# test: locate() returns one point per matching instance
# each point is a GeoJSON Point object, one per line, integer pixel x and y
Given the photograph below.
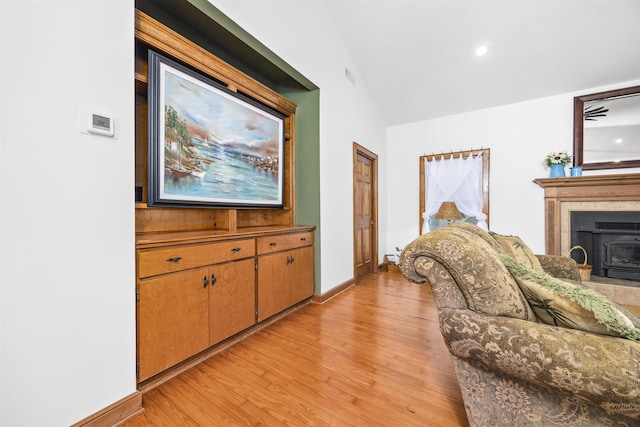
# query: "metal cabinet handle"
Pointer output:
{"type": "Point", "coordinates": [235, 249]}
{"type": "Point", "coordinates": [174, 259]}
{"type": "Point", "coordinates": [304, 239]}
{"type": "Point", "coordinates": [273, 244]}
{"type": "Point", "coordinates": [213, 279]}
{"type": "Point", "coordinates": [205, 281]}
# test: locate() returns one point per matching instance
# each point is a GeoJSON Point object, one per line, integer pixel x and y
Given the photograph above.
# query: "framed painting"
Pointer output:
{"type": "Point", "coordinates": [209, 146]}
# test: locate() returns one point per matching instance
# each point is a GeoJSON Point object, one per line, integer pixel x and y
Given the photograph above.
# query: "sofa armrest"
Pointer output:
{"type": "Point", "coordinates": [600, 369]}
{"type": "Point", "coordinates": [560, 267]}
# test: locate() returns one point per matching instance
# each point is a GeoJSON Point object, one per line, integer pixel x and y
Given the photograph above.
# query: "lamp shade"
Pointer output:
{"type": "Point", "coordinates": [448, 211]}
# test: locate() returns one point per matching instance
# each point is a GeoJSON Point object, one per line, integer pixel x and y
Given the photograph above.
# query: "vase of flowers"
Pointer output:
{"type": "Point", "coordinates": [556, 163]}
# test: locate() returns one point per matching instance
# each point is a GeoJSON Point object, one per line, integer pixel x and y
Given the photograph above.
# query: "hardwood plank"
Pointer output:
{"type": "Point", "coordinates": [372, 355]}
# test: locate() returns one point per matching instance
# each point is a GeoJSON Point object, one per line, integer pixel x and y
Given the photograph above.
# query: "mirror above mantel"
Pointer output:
{"type": "Point", "coordinates": [606, 129]}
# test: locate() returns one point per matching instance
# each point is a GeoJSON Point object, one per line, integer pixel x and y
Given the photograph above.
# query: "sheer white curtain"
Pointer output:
{"type": "Point", "coordinates": [456, 180]}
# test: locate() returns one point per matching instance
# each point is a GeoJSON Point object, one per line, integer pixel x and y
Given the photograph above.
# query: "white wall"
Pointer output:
{"type": "Point", "coordinates": [302, 34]}
{"type": "Point", "coordinates": [67, 261]}
{"type": "Point", "coordinates": [519, 136]}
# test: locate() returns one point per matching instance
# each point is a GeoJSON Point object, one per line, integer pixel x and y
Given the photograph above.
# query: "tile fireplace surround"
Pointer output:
{"type": "Point", "coordinates": [619, 192]}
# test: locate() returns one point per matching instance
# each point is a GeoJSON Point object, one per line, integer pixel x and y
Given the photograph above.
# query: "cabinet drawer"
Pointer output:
{"type": "Point", "coordinates": [267, 245]}
{"type": "Point", "coordinates": [152, 262]}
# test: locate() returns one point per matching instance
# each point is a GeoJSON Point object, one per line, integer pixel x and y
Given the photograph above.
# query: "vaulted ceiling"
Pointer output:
{"type": "Point", "coordinates": [417, 59]}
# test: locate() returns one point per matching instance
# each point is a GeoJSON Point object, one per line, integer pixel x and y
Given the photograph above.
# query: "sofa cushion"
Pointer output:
{"type": "Point", "coordinates": [485, 282]}
{"type": "Point", "coordinates": [474, 229]}
{"type": "Point", "coordinates": [560, 303]}
{"type": "Point", "coordinates": [517, 249]}
{"type": "Point", "coordinates": [560, 267]}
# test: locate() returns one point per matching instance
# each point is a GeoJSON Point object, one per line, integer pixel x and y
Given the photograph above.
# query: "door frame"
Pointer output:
{"type": "Point", "coordinates": [358, 149]}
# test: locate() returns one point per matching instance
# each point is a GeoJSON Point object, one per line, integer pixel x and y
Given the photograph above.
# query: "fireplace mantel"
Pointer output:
{"type": "Point", "coordinates": [592, 188]}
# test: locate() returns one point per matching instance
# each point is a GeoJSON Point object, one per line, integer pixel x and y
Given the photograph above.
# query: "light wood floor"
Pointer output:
{"type": "Point", "coordinates": [372, 356]}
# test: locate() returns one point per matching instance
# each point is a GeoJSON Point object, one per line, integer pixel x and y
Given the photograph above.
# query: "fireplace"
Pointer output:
{"type": "Point", "coordinates": [613, 192]}
{"type": "Point", "coordinates": [597, 193]}
{"type": "Point", "coordinates": [611, 240]}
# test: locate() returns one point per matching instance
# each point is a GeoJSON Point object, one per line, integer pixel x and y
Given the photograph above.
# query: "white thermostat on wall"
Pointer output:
{"type": "Point", "coordinates": [97, 124]}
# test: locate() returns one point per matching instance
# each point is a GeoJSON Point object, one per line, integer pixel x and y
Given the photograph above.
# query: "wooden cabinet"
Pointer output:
{"type": "Point", "coordinates": [285, 272]}
{"type": "Point", "coordinates": [184, 310]}
{"type": "Point", "coordinates": [173, 319]}
{"type": "Point", "coordinates": [197, 281]}
{"type": "Point", "coordinates": [232, 299]}
{"type": "Point", "coordinates": [301, 272]}
{"type": "Point", "coordinates": [194, 292]}
{"type": "Point", "coordinates": [273, 284]}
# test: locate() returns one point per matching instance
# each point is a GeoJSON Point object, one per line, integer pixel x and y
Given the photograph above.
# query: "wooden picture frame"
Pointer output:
{"type": "Point", "coordinates": [210, 146]}
{"type": "Point", "coordinates": [606, 126]}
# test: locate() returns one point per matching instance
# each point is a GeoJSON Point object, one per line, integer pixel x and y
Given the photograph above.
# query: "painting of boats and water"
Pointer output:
{"type": "Point", "coordinates": [216, 149]}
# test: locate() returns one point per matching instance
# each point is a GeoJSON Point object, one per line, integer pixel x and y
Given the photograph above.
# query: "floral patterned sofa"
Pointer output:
{"type": "Point", "coordinates": [521, 360]}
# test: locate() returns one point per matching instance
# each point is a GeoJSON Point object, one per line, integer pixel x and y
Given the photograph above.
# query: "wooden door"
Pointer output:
{"type": "Point", "coordinates": [273, 284]}
{"type": "Point", "coordinates": [173, 320]}
{"type": "Point", "coordinates": [301, 275]}
{"type": "Point", "coordinates": [365, 212]}
{"type": "Point", "coordinates": [232, 299]}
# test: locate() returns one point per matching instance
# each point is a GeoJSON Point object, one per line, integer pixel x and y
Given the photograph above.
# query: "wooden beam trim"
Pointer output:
{"type": "Point", "coordinates": [157, 35]}
{"type": "Point", "coordinates": [116, 413]}
{"type": "Point", "coordinates": [321, 299]}
{"type": "Point", "coordinates": [454, 154]}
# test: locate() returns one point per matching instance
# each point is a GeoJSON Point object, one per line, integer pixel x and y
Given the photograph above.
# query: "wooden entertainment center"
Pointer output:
{"type": "Point", "coordinates": [208, 277]}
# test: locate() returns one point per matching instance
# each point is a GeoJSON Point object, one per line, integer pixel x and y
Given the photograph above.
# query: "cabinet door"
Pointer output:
{"type": "Point", "coordinates": [173, 320]}
{"type": "Point", "coordinates": [232, 299]}
{"type": "Point", "coordinates": [273, 284]}
{"type": "Point", "coordinates": [301, 275]}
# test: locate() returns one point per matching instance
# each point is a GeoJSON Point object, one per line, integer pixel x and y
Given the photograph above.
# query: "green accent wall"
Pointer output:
{"type": "Point", "coordinates": [308, 165]}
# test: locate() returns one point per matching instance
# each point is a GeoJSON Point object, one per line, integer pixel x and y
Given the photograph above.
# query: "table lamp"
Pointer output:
{"type": "Point", "coordinates": [449, 212]}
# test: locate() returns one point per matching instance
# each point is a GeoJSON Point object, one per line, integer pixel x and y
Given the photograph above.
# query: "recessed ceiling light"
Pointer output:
{"type": "Point", "coordinates": [481, 51]}
{"type": "Point", "coordinates": [619, 141]}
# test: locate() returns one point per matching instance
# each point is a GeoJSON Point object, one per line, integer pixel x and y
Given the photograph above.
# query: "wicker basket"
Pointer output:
{"type": "Point", "coordinates": [584, 268]}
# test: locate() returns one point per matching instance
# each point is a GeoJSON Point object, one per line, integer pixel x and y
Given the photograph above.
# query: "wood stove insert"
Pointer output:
{"type": "Point", "coordinates": [611, 240]}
